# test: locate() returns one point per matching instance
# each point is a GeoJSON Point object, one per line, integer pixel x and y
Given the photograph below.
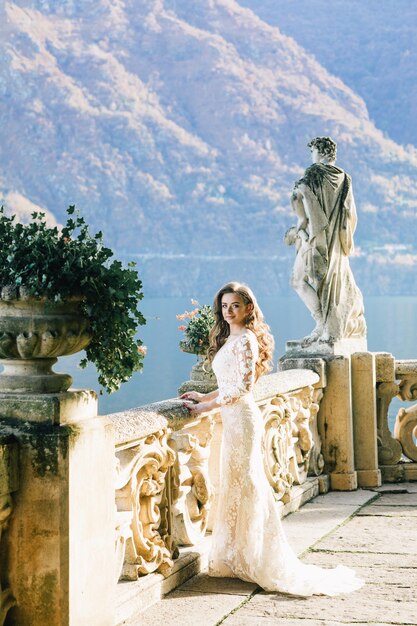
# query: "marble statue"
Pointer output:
{"type": "Point", "coordinates": [323, 237]}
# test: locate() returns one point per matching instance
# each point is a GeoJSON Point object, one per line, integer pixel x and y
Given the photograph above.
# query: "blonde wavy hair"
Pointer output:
{"type": "Point", "coordinates": [254, 321]}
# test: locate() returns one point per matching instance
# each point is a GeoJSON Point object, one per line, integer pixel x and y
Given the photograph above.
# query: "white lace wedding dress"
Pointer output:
{"type": "Point", "coordinates": [248, 541]}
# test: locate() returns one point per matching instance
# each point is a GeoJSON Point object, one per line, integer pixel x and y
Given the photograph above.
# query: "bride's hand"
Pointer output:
{"type": "Point", "coordinates": [192, 395]}
{"type": "Point", "coordinates": [197, 409]}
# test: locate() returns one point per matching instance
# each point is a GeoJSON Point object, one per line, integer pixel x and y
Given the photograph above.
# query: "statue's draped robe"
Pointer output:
{"type": "Point", "coordinates": [331, 213]}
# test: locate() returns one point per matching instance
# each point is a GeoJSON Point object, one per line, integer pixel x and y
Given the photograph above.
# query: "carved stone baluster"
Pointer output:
{"type": "Point", "coordinates": [300, 403]}
{"type": "Point", "coordinates": [389, 449]}
{"type": "Point", "coordinates": [191, 489]}
{"type": "Point", "coordinates": [278, 446]}
{"type": "Point", "coordinates": [141, 535]}
{"type": "Point", "coordinates": [316, 462]}
{"type": "Point", "coordinates": [289, 440]}
{"type": "Point", "coordinates": [408, 387]}
{"type": "Point", "coordinates": [405, 429]}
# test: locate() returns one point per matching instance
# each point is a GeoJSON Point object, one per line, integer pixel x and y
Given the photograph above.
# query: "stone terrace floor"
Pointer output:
{"type": "Point", "coordinates": [373, 531]}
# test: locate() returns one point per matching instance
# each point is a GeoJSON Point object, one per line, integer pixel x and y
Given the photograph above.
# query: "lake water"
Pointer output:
{"type": "Point", "coordinates": [391, 328]}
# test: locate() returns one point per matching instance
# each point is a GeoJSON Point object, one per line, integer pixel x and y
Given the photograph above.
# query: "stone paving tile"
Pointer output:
{"type": "Point", "coordinates": [389, 510]}
{"type": "Point", "coordinates": [399, 488]}
{"type": "Point", "coordinates": [181, 608]}
{"type": "Point", "coordinates": [369, 534]}
{"type": "Point", "coordinates": [358, 559]}
{"type": "Point", "coordinates": [397, 499]}
{"type": "Point", "coordinates": [238, 620]}
{"type": "Point", "coordinates": [311, 523]}
{"type": "Point", "coordinates": [320, 516]}
{"type": "Point", "coordinates": [207, 584]}
{"type": "Point", "coordinates": [363, 606]}
{"type": "Point", "coordinates": [358, 497]}
{"type": "Point", "coordinates": [401, 577]}
{"type": "Point", "coordinates": [380, 543]}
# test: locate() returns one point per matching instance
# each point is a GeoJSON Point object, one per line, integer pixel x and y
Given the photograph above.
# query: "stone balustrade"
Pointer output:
{"type": "Point", "coordinates": [119, 495]}
{"type": "Point", "coordinates": [167, 467]}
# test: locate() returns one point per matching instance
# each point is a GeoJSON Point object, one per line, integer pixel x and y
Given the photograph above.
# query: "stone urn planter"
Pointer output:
{"type": "Point", "coordinates": [202, 377]}
{"type": "Point", "coordinates": [33, 333]}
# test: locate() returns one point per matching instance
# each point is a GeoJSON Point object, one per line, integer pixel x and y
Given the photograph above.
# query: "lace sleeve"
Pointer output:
{"type": "Point", "coordinates": [246, 373]}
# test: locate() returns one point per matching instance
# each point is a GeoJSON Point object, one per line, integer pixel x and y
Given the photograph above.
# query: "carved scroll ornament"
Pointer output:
{"type": "Point", "coordinates": [405, 429]}
{"type": "Point", "coordinates": [143, 539]}
{"type": "Point", "coordinates": [190, 485]}
{"type": "Point", "coordinates": [290, 438]}
{"type": "Point", "coordinates": [277, 444]}
{"type": "Point", "coordinates": [391, 448]}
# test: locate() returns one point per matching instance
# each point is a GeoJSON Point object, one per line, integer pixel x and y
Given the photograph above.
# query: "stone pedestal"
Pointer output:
{"type": "Point", "coordinates": [335, 415]}
{"type": "Point", "coordinates": [202, 378]}
{"type": "Point", "coordinates": [364, 419]}
{"type": "Point", "coordinates": [61, 535]}
{"type": "Point", "coordinates": [325, 349]}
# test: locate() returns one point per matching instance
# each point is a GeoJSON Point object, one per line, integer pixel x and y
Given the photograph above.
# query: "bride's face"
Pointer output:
{"type": "Point", "coordinates": [234, 310]}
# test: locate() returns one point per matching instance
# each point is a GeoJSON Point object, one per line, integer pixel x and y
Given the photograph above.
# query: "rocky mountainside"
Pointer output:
{"type": "Point", "coordinates": [370, 45]}
{"type": "Point", "coordinates": [179, 128]}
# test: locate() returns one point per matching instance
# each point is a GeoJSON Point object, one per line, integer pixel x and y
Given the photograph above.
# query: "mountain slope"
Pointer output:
{"type": "Point", "coordinates": [180, 129]}
{"type": "Point", "coordinates": [369, 45]}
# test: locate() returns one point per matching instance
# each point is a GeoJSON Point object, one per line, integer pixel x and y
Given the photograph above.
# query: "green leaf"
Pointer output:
{"type": "Point", "coordinates": [72, 262]}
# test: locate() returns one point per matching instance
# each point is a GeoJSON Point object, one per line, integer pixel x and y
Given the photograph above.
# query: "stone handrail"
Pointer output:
{"type": "Point", "coordinates": [167, 467]}
{"type": "Point", "coordinates": [8, 484]}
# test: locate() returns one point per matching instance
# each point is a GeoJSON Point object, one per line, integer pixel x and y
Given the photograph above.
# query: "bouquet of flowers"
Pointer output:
{"type": "Point", "coordinates": [196, 331]}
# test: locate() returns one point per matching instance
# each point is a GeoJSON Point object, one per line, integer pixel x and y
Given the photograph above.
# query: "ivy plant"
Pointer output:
{"type": "Point", "coordinates": [62, 263]}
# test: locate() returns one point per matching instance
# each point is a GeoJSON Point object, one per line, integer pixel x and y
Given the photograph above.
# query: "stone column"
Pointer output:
{"type": "Point", "coordinates": [364, 419]}
{"type": "Point", "coordinates": [335, 425]}
{"type": "Point", "coordinates": [61, 536]}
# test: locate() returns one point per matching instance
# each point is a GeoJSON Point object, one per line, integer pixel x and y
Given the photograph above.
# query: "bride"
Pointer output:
{"type": "Point", "coordinates": [248, 541]}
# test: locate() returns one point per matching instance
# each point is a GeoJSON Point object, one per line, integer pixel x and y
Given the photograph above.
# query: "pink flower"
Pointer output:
{"type": "Point", "coordinates": [194, 302]}
{"type": "Point", "coordinates": [182, 328]}
{"type": "Point", "coordinates": [187, 314]}
{"type": "Point", "coordinates": [142, 350]}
